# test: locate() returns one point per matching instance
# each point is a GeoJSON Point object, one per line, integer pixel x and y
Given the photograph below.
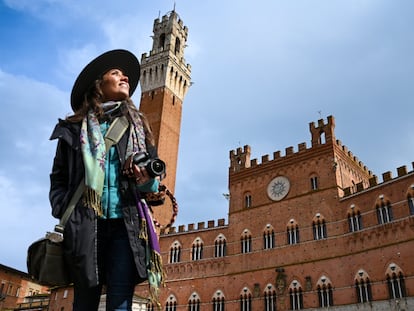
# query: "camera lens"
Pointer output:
{"type": "Point", "coordinates": [158, 167]}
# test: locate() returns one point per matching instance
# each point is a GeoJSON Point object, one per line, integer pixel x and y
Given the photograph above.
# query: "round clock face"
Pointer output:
{"type": "Point", "coordinates": [278, 188]}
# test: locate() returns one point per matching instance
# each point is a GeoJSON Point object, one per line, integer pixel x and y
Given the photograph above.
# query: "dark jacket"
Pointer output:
{"type": "Point", "coordinates": [81, 228]}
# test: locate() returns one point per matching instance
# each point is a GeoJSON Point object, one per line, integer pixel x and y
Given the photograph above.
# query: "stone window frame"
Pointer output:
{"type": "Point", "coordinates": [197, 249]}
{"type": "Point", "coordinates": [354, 219]}
{"type": "Point", "coordinates": [293, 236]}
{"type": "Point", "coordinates": [269, 298]}
{"type": "Point", "coordinates": [175, 252]}
{"type": "Point", "coordinates": [319, 227]}
{"type": "Point", "coordinates": [363, 286]}
{"type": "Point", "coordinates": [325, 292]}
{"type": "Point", "coordinates": [246, 242]}
{"type": "Point", "coordinates": [218, 301]}
{"type": "Point", "coordinates": [269, 237]}
{"type": "Point", "coordinates": [220, 246]}
{"type": "Point", "coordinates": [194, 302]}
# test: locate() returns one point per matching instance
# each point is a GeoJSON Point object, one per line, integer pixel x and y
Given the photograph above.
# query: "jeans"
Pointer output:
{"type": "Point", "coordinates": [116, 266]}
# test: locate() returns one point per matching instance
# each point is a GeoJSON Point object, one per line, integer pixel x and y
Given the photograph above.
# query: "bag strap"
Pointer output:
{"type": "Point", "coordinates": [112, 136]}
{"type": "Point", "coordinates": [115, 131]}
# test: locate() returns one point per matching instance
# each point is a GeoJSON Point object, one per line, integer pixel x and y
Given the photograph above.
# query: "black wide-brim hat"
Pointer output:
{"type": "Point", "coordinates": [115, 59]}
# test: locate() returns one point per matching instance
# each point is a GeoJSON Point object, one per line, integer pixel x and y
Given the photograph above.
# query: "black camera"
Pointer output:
{"type": "Point", "coordinates": [155, 167]}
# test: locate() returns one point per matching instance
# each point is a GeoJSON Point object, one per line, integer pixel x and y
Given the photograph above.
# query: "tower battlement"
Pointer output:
{"type": "Point", "coordinates": [165, 65]}
{"type": "Point", "coordinates": [373, 181]}
{"type": "Point", "coordinates": [322, 134]}
{"type": "Point", "coordinates": [240, 158]}
{"type": "Point", "coordinates": [191, 227]}
{"type": "Point", "coordinates": [352, 157]}
{"type": "Point", "coordinates": [168, 19]}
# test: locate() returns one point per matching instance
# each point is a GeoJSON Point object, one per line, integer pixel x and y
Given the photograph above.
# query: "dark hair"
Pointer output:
{"type": "Point", "coordinates": [93, 98]}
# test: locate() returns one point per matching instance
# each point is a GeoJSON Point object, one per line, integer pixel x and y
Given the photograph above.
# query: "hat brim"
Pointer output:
{"type": "Point", "coordinates": [119, 59]}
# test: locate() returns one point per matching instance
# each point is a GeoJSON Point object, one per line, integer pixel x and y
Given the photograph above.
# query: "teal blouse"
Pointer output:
{"type": "Point", "coordinates": [111, 196]}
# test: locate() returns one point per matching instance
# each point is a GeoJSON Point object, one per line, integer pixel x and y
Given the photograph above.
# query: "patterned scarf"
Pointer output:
{"type": "Point", "coordinates": [94, 151]}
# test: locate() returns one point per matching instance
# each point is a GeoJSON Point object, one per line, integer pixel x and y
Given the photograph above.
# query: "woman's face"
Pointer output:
{"type": "Point", "coordinates": [115, 85]}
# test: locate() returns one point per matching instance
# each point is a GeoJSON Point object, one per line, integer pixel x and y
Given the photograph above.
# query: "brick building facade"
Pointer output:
{"type": "Point", "coordinates": [16, 287]}
{"type": "Point", "coordinates": [307, 230]}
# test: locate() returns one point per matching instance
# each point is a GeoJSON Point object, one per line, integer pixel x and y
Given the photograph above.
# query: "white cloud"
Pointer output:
{"type": "Point", "coordinates": [28, 117]}
{"type": "Point", "coordinates": [25, 217]}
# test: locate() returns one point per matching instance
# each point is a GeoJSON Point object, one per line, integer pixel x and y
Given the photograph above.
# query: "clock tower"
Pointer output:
{"type": "Point", "coordinates": [165, 79]}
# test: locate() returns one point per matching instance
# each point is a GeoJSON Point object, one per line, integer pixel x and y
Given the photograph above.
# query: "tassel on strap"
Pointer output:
{"type": "Point", "coordinates": [143, 232]}
{"type": "Point", "coordinates": [156, 275]}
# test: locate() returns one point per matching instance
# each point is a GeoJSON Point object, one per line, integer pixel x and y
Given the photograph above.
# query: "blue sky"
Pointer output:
{"type": "Point", "coordinates": [261, 70]}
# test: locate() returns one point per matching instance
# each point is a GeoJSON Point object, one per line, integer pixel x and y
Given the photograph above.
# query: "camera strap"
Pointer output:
{"type": "Point", "coordinates": [164, 191]}
{"type": "Point", "coordinates": [112, 136]}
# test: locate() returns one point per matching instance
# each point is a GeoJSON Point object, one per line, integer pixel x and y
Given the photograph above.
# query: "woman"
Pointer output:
{"type": "Point", "coordinates": [105, 238]}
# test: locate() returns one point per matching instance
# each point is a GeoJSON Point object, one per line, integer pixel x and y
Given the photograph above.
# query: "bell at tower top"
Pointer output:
{"type": "Point", "coordinates": [165, 66]}
{"type": "Point", "coordinates": [170, 34]}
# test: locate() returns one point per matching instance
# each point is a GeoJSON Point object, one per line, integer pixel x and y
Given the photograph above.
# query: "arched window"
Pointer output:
{"type": "Point", "coordinates": [171, 303]}
{"type": "Point", "coordinates": [363, 287]}
{"type": "Point", "coordinates": [296, 296]}
{"type": "Point", "coordinates": [314, 182]}
{"type": "Point", "coordinates": [246, 242]}
{"type": "Point", "coordinates": [247, 200]}
{"type": "Point", "coordinates": [319, 227]}
{"type": "Point", "coordinates": [269, 298]}
{"type": "Point", "coordinates": [245, 300]}
{"type": "Point", "coordinates": [384, 211]}
{"type": "Point", "coordinates": [197, 249]}
{"type": "Point", "coordinates": [325, 295]}
{"type": "Point", "coordinates": [194, 302]}
{"type": "Point", "coordinates": [410, 200]}
{"type": "Point", "coordinates": [218, 301]}
{"type": "Point", "coordinates": [220, 246]}
{"type": "Point", "coordinates": [396, 282]}
{"type": "Point", "coordinates": [354, 219]}
{"type": "Point", "coordinates": [292, 232]}
{"type": "Point", "coordinates": [268, 237]}
{"type": "Point", "coordinates": [322, 138]}
{"type": "Point", "coordinates": [175, 252]}
{"type": "Point", "coordinates": [177, 46]}
{"type": "Point", "coordinates": [161, 43]}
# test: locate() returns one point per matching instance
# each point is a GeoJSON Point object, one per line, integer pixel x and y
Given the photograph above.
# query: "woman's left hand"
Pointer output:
{"type": "Point", "coordinates": [141, 174]}
{"type": "Point", "coordinates": [133, 171]}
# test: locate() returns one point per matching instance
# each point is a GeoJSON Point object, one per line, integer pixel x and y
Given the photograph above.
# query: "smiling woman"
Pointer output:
{"type": "Point", "coordinates": [115, 85]}
{"type": "Point", "coordinates": [104, 242]}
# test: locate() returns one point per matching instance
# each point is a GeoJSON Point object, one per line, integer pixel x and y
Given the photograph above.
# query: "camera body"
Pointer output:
{"type": "Point", "coordinates": [154, 166]}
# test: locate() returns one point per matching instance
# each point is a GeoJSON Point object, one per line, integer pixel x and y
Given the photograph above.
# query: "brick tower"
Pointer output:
{"type": "Point", "coordinates": [165, 79]}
